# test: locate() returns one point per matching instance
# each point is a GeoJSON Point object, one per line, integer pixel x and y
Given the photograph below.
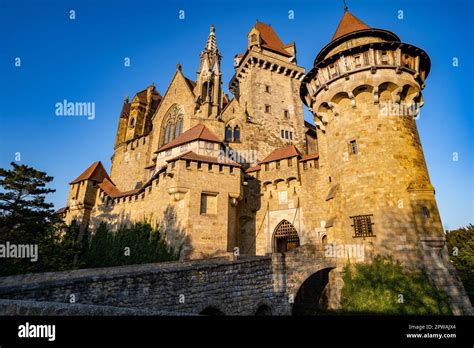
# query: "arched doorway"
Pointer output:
{"type": "Point", "coordinates": [285, 237]}
{"type": "Point", "coordinates": [263, 310]}
{"type": "Point", "coordinates": [312, 296]}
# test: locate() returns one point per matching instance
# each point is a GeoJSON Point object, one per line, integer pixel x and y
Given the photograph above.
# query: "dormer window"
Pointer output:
{"type": "Point", "coordinates": [254, 38]}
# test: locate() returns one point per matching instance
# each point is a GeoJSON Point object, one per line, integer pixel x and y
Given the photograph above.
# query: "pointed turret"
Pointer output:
{"type": "Point", "coordinates": [209, 93]}
{"type": "Point", "coordinates": [348, 24]}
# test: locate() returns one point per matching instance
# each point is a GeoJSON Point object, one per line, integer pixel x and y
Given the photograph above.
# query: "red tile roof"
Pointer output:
{"type": "Point", "coordinates": [270, 38]}
{"type": "Point", "coordinates": [112, 191]}
{"type": "Point", "coordinates": [142, 96]}
{"type": "Point", "coordinates": [190, 155]}
{"type": "Point", "coordinates": [253, 169]}
{"type": "Point", "coordinates": [281, 153]}
{"type": "Point", "coordinates": [62, 210]}
{"type": "Point", "coordinates": [309, 157]}
{"type": "Point", "coordinates": [197, 132]}
{"type": "Point", "coordinates": [348, 24]}
{"type": "Point", "coordinates": [96, 172]}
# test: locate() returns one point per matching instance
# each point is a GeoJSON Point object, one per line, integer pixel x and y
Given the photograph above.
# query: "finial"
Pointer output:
{"type": "Point", "coordinates": [126, 99]}
{"type": "Point", "coordinates": [213, 28]}
{"type": "Point", "coordinates": [345, 6]}
{"type": "Point", "coordinates": [178, 67]}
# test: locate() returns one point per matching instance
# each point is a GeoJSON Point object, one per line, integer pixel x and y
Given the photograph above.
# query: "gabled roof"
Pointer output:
{"type": "Point", "coordinates": [142, 96]}
{"type": "Point", "coordinates": [190, 155]}
{"type": "Point", "coordinates": [111, 190]}
{"type": "Point", "coordinates": [348, 24]}
{"type": "Point", "coordinates": [197, 132]}
{"type": "Point", "coordinates": [96, 172]}
{"type": "Point", "coordinates": [270, 39]}
{"type": "Point", "coordinates": [282, 153]}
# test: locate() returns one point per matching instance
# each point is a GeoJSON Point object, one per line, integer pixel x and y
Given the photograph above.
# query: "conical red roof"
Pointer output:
{"type": "Point", "coordinates": [348, 24]}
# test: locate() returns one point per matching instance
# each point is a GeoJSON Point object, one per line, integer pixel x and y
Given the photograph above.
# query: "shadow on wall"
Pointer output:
{"type": "Point", "coordinates": [174, 234]}
{"type": "Point", "coordinates": [249, 228]}
{"type": "Point", "coordinates": [211, 311]}
{"type": "Point", "coordinates": [104, 214]}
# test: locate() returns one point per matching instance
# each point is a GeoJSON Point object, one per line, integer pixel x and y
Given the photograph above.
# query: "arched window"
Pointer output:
{"type": "Point", "coordinates": [228, 133]}
{"type": "Point", "coordinates": [172, 124]}
{"type": "Point", "coordinates": [237, 134]}
{"type": "Point", "coordinates": [132, 122]}
{"type": "Point", "coordinates": [179, 128]}
{"type": "Point", "coordinates": [167, 134]}
{"type": "Point", "coordinates": [207, 88]}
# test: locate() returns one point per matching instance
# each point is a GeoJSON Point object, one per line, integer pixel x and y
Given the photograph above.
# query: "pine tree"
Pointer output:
{"type": "Point", "coordinates": [24, 211]}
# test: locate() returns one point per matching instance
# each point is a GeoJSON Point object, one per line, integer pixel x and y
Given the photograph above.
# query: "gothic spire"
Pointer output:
{"type": "Point", "coordinates": [211, 40]}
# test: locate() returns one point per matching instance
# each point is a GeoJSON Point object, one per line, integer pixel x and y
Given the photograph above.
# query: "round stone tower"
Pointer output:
{"type": "Point", "coordinates": [365, 93]}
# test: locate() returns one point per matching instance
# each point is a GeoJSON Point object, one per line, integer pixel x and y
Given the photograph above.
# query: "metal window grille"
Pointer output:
{"type": "Point", "coordinates": [362, 225]}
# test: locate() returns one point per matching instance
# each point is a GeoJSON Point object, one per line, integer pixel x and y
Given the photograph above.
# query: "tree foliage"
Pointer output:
{"type": "Point", "coordinates": [23, 206]}
{"type": "Point", "coordinates": [27, 219]}
{"type": "Point", "coordinates": [385, 287]}
{"type": "Point", "coordinates": [134, 244]}
{"type": "Point", "coordinates": [461, 251]}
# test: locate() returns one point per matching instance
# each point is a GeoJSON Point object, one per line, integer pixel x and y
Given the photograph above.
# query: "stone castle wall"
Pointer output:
{"type": "Point", "coordinates": [387, 177]}
{"type": "Point", "coordinates": [231, 287]}
{"type": "Point", "coordinates": [128, 164]}
{"type": "Point", "coordinates": [172, 202]}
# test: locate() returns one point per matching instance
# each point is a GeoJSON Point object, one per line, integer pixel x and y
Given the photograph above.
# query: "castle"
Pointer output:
{"type": "Point", "coordinates": [248, 175]}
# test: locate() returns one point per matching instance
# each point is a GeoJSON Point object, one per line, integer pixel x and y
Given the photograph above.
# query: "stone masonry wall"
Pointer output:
{"type": "Point", "coordinates": [232, 287]}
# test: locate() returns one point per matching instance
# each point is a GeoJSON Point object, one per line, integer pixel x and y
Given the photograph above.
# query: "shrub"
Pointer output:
{"type": "Point", "coordinates": [461, 251]}
{"type": "Point", "coordinates": [378, 287]}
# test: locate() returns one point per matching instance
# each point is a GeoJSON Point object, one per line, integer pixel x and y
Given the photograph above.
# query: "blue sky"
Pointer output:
{"type": "Point", "coordinates": [83, 60]}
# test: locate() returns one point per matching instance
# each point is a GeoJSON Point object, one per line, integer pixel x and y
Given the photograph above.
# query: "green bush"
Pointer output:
{"type": "Point", "coordinates": [461, 251]}
{"type": "Point", "coordinates": [377, 288]}
{"type": "Point", "coordinates": [135, 244]}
